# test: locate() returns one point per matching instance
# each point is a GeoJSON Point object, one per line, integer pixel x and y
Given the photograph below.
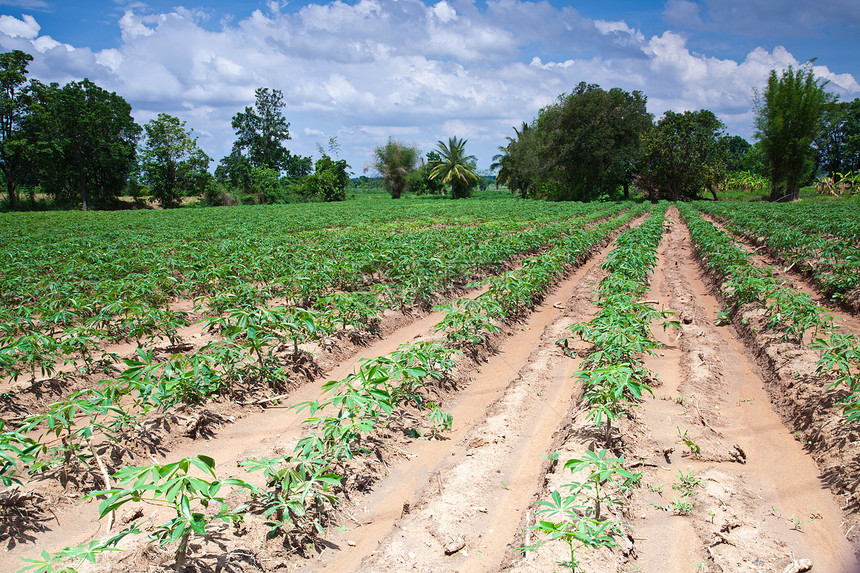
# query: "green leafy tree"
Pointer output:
{"type": "Point", "coordinates": [330, 179]}
{"type": "Point", "coordinates": [516, 162]}
{"type": "Point", "coordinates": [14, 105]}
{"type": "Point", "coordinates": [789, 116]}
{"type": "Point", "coordinates": [734, 149]}
{"type": "Point", "coordinates": [454, 167]}
{"type": "Point", "coordinates": [839, 145]}
{"type": "Point", "coordinates": [395, 161]}
{"type": "Point", "coordinates": [85, 141]}
{"type": "Point", "coordinates": [420, 182]}
{"type": "Point", "coordinates": [589, 141]}
{"type": "Point", "coordinates": [234, 170]}
{"type": "Point", "coordinates": [262, 129]}
{"type": "Point", "coordinates": [170, 162]}
{"type": "Point", "coordinates": [682, 156]}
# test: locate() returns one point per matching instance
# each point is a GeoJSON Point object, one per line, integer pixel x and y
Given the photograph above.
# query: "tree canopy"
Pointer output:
{"type": "Point", "coordinates": [170, 161]}
{"type": "Point", "coordinates": [394, 161]}
{"type": "Point", "coordinates": [14, 102]}
{"type": "Point", "coordinates": [838, 146]}
{"type": "Point", "coordinates": [788, 119]}
{"type": "Point", "coordinates": [85, 140]}
{"type": "Point", "coordinates": [454, 167]}
{"type": "Point", "coordinates": [682, 156]}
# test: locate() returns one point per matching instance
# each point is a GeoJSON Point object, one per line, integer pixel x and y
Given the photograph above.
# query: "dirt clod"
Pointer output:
{"type": "Point", "coordinates": [455, 546]}
{"type": "Point", "coordinates": [799, 566]}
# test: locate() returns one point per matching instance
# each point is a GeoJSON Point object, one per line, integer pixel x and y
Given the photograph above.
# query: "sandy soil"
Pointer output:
{"type": "Point", "coordinates": [776, 471]}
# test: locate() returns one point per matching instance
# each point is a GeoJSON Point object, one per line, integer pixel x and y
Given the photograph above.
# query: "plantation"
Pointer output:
{"type": "Point", "coordinates": [425, 385]}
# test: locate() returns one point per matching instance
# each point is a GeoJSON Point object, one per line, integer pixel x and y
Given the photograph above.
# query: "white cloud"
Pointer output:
{"type": "Point", "coordinates": [27, 27]}
{"type": "Point", "coordinates": [444, 12]}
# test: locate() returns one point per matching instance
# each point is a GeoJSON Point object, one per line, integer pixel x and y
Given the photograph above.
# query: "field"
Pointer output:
{"type": "Point", "coordinates": [500, 385]}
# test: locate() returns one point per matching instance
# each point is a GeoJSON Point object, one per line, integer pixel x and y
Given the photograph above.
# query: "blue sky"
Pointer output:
{"type": "Point", "coordinates": [367, 70]}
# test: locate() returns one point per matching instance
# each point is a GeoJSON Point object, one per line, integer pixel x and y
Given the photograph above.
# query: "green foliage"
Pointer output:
{"type": "Point", "coordinates": [516, 162]}
{"type": "Point", "coordinates": [589, 141]}
{"type": "Point", "coordinates": [85, 141]}
{"type": "Point", "coordinates": [576, 518]}
{"type": "Point", "coordinates": [300, 489]}
{"type": "Point", "coordinates": [682, 156]}
{"type": "Point", "coordinates": [170, 161]}
{"type": "Point", "coordinates": [329, 180]}
{"type": "Point", "coordinates": [261, 131]}
{"type": "Point", "coordinates": [838, 147]}
{"type": "Point", "coordinates": [171, 485]}
{"type": "Point", "coordinates": [454, 167]}
{"type": "Point", "coordinates": [789, 116]}
{"type": "Point", "coordinates": [78, 555]}
{"type": "Point", "coordinates": [394, 161]}
{"type": "Point", "coordinates": [14, 105]}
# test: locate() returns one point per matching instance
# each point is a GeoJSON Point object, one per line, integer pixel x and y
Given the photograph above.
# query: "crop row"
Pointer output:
{"type": "Point", "coordinates": [334, 278]}
{"type": "Point", "coordinates": [614, 377]}
{"type": "Point", "coordinates": [302, 487]}
{"type": "Point", "coordinates": [818, 238]}
{"type": "Point", "coordinates": [787, 312]}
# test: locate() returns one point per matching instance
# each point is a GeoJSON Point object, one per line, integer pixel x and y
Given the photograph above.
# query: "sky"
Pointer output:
{"type": "Point", "coordinates": [362, 71]}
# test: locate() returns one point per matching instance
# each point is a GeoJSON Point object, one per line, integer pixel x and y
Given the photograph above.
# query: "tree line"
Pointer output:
{"type": "Point", "coordinates": [593, 143]}
{"type": "Point", "coordinates": [79, 144]}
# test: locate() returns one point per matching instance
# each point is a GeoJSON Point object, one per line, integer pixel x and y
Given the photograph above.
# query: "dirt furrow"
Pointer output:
{"type": "Point", "coordinates": [262, 431]}
{"type": "Point", "coordinates": [757, 501]}
{"type": "Point", "coordinates": [457, 504]}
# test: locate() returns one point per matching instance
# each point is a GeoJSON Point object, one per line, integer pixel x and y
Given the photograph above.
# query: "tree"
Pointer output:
{"type": "Point", "coordinates": [734, 149]}
{"type": "Point", "coordinates": [516, 162]}
{"type": "Point", "coordinates": [839, 145]}
{"type": "Point", "coordinates": [329, 180]}
{"type": "Point", "coordinates": [171, 163]}
{"type": "Point", "coordinates": [261, 131]}
{"type": "Point", "coordinates": [85, 140]}
{"type": "Point", "coordinates": [395, 161]}
{"type": "Point", "coordinates": [420, 182]}
{"type": "Point", "coordinates": [234, 170]}
{"type": "Point", "coordinates": [682, 156]}
{"type": "Point", "coordinates": [14, 104]}
{"type": "Point", "coordinates": [454, 167]}
{"type": "Point", "coordinates": [590, 139]}
{"type": "Point", "coordinates": [789, 116]}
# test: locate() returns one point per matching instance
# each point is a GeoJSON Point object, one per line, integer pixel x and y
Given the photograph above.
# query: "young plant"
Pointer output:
{"type": "Point", "coordinates": [170, 485]}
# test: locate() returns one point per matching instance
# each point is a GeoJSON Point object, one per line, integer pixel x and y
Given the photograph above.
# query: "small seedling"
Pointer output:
{"type": "Point", "coordinates": [683, 505]}
{"type": "Point", "coordinates": [684, 438]}
{"type": "Point", "coordinates": [687, 482]}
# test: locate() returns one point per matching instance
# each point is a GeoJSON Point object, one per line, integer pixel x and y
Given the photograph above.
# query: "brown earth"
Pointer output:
{"type": "Point", "coordinates": [767, 500]}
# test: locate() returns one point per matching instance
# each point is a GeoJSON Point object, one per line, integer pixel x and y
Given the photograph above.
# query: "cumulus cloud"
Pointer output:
{"type": "Point", "coordinates": [27, 27]}
{"type": "Point", "coordinates": [371, 69]}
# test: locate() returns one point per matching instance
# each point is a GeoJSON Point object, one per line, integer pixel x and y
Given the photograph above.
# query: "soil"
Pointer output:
{"type": "Point", "coordinates": [777, 469]}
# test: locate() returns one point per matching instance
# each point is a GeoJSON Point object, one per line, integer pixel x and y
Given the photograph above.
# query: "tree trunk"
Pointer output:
{"type": "Point", "coordinates": [10, 187]}
{"type": "Point", "coordinates": [626, 188]}
{"type": "Point", "coordinates": [82, 186]}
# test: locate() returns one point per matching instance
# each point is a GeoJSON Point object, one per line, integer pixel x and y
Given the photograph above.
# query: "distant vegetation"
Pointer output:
{"type": "Point", "coordinates": [77, 145]}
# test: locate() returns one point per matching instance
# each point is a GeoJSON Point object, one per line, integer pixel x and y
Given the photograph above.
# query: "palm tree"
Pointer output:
{"type": "Point", "coordinates": [394, 161]}
{"type": "Point", "coordinates": [509, 162]}
{"type": "Point", "coordinates": [455, 167]}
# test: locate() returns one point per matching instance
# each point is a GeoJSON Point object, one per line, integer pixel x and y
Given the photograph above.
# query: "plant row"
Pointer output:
{"type": "Point", "coordinates": [613, 377]}
{"type": "Point", "coordinates": [303, 487]}
{"type": "Point", "coordinates": [65, 327]}
{"type": "Point", "coordinates": [787, 312]}
{"type": "Point", "coordinates": [817, 238]}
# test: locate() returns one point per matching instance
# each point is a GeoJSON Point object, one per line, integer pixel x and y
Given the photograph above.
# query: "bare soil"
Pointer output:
{"type": "Point", "coordinates": [778, 470]}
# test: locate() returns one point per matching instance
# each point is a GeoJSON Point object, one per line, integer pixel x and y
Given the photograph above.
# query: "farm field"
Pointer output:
{"type": "Point", "coordinates": [431, 386]}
